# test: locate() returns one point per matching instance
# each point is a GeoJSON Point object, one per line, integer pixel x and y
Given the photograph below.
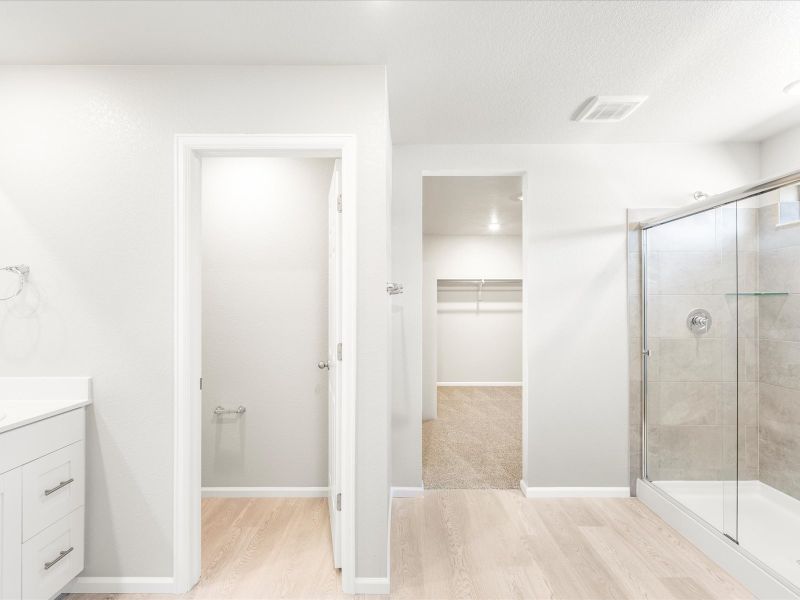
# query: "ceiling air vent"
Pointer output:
{"type": "Point", "coordinates": [609, 109]}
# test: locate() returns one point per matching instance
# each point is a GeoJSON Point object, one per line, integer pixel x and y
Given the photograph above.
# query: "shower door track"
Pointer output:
{"type": "Point", "coordinates": [740, 193]}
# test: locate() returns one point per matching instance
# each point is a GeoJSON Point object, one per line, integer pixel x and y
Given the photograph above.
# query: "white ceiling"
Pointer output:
{"type": "Point", "coordinates": [469, 72]}
{"type": "Point", "coordinates": [466, 205]}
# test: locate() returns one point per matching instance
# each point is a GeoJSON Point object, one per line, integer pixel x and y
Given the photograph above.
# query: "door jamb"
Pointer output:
{"type": "Point", "coordinates": [189, 148]}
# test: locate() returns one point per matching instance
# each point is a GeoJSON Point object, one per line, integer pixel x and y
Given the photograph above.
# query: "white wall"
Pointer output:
{"type": "Point", "coordinates": [575, 272]}
{"type": "Point", "coordinates": [265, 321]}
{"type": "Point", "coordinates": [86, 198]}
{"type": "Point", "coordinates": [480, 341]}
{"type": "Point", "coordinates": [780, 154]}
{"type": "Point", "coordinates": [448, 358]}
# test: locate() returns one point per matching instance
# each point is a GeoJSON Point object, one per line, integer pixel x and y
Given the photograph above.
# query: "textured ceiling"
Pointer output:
{"type": "Point", "coordinates": [469, 72]}
{"type": "Point", "coordinates": [466, 205]}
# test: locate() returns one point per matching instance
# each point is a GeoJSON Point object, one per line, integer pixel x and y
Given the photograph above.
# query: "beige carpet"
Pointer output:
{"type": "Point", "coordinates": [476, 441]}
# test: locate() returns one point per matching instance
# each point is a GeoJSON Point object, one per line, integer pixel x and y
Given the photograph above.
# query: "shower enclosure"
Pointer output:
{"type": "Point", "coordinates": [720, 301]}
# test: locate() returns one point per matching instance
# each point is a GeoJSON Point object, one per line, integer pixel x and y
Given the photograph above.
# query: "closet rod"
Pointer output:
{"type": "Point", "coordinates": [484, 281]}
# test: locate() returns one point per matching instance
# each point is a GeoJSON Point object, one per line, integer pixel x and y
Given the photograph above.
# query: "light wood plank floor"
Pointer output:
{"type": "Point", "coordinates": [459, 544]}
{"type": "Point", "coordinates": [499, 544]}
{"type": "Point", "coordinates": [260, 548]}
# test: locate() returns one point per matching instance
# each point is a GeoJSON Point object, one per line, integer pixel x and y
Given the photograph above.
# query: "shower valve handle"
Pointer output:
{"type": "Point", "coordinates": [699, 321]}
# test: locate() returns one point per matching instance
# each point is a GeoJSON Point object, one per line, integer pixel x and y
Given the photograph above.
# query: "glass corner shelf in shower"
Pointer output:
{"type": "Point", "coordinates": [757, 293]}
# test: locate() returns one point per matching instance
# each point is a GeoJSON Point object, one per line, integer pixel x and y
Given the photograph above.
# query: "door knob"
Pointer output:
{"type": "Point", "coordinates": [323, 364]}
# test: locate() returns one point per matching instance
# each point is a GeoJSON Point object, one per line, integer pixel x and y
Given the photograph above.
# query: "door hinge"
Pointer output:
{"type": "Point", "coordinates": [339, 501]}
{"type": "Point", "coordinates": [201, 383]}
{"type": "Point", "coordinates": [339, 203]}
{"type": "Point", "coordinates": [339, 351]}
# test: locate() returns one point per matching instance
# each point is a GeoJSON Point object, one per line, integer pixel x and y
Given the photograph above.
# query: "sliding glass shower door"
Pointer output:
{"type": "Point", "coordinates": [690, 345]}
{"type": "Point", "coordinates": [721, 316]}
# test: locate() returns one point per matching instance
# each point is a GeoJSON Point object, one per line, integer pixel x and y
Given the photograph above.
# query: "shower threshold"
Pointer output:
{"type": "Point", "coordinates": [768, 530]}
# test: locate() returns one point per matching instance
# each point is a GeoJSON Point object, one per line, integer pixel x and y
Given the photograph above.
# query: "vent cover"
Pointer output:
{"type": "Point", "coordinates": [609, 109]}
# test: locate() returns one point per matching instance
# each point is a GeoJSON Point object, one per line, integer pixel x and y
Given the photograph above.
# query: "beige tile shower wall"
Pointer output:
{"type": "Point", "coordinates": [779, 353]}
{"type": "Point", "coordinates": [748, 326]}
{"type": "Point", "coordinates": [692, 380]}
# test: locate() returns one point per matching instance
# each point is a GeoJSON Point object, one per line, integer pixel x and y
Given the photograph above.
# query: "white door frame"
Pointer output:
{"type": "Point", "coordinates": [526, 232]}
{"type": "Point", "coordinates": [189, 149]}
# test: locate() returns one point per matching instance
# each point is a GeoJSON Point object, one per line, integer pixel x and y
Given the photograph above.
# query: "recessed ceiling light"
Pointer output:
{"type": "Point", "coordinates": [793, 89]}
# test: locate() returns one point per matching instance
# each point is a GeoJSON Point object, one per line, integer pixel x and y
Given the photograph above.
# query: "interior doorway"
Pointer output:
{"type": "Point", "coordinates": [264, 325]}
{"type": "Point", "coordinates": [264, 277]}
{"type": "Point", "coordinates": [472, 331]}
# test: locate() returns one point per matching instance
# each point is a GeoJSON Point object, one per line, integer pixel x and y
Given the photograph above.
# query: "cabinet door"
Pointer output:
{"type": "Point", "coordinates": [11, 535]}
{"type": "Point", "coordinates": [52, 487]}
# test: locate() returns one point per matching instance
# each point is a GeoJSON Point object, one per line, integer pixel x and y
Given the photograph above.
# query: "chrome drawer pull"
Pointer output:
{"type": "Point", "coordinates": [59, 486]}
{"type": "Point", "coordinates": [231, 411]}
{"type": "Point", "coordinates": [61, 555]}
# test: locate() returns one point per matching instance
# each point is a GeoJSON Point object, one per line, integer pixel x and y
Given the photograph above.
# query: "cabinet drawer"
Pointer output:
{"type": "Point", "coordinates": [29, 442]}
{"type": "Point", "coordinates": [52, 487]}
{"type": "Point", "coordinates": [53, 557]}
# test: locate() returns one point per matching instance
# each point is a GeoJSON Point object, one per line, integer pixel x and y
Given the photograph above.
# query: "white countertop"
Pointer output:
{"type": "Point", "coordinates": [16, 413]}
{"type": "Point", "coordinates": [25, 400]}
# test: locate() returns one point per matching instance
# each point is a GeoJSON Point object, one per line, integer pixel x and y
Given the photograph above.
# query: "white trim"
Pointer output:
{"type": "Point", "coordinates": [574, 491]}
{"type": "Point", "coordinates": [264, 492]}
{"type": "Point", "coordinates": [713, 544]}
{"type": "Point", "coordinates": [527, 336]}
{"type": "Point", "coordinates": [473, 173]}
{"type": "Point", "coordinates": [186, 414]}
{"type": "Point", "coordinates": [479, 384]}
{"type": "Point", "coordinates": [408, 492]}
{"type": "Point", "coordinates": [371, 585]}
{"type": "Point", "coordinates": [121, 585]}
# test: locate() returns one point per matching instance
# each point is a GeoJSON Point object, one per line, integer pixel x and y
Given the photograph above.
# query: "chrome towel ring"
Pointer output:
{"type": "Point", "coordinates": [21, 271]}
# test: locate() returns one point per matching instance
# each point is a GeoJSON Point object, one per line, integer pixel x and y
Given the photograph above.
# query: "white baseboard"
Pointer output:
{"type": "Point", "coordinates": [121, 585]}
{"type": "Point", "coordinates": [713, 544]}
{"type": "Point", "coordinates": [408, 492]}
{"type": "Point", "coordinates": [264, 492]}
{"type": "Point", "coordinates": [372, 585]}
{"type": "Point", "coordinates": [479, 383]}
{"type": "Point", "coordinates": [574, 492]}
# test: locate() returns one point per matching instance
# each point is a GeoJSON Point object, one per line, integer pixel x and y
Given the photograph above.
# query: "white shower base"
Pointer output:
{"type": "Point", "coordinates": [768, 520]}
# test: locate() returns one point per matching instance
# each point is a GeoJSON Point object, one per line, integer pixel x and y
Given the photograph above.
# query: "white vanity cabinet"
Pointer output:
{"type": "Point", "coordinates": [11, 534]}
{"type": "Point", "coordinates": [42, 490]}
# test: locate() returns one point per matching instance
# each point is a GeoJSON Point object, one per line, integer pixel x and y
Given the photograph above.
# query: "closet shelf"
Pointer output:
{"type": "Point", "coordinates": [757, 294]}
{"type": "Point", "coordinates": [450, 282]}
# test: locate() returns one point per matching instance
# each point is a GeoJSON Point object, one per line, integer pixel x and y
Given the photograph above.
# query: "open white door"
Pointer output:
{"type": "Point", "coordinates": [334, 361]}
